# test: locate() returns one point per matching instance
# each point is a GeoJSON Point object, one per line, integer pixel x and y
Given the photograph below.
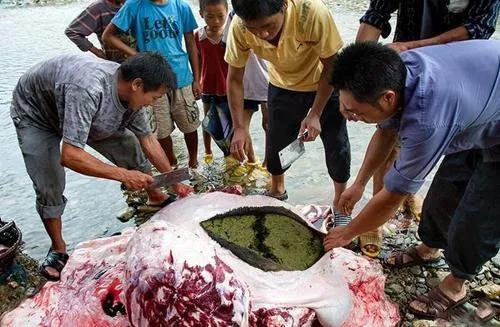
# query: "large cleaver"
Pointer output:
{"type": "Point", "coordinates": [171, 177]}
{"type": "Point", "coordinates": [292, 152]}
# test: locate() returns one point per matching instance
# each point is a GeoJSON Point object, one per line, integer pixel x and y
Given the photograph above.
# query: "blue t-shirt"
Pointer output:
{"type": "Point", "coordinates": [452, 104]}
{"type": "Point", "coordinates": [160, 28]}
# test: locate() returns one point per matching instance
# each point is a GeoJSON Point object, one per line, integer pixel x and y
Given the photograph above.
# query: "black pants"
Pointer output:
{"type": "Point", "coordinates": [461, 212]}
{"type": "Point", "coordinates": [286, 110]}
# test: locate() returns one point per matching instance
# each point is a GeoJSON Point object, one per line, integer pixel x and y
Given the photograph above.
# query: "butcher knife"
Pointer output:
{"type": "Point", "coordinates": [292, 152]}
{"type": "Point", "coordinates": [171, 177]}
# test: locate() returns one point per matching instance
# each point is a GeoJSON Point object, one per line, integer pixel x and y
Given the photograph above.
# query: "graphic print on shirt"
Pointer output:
{"type": "Point", "coordinates": [163, 28]}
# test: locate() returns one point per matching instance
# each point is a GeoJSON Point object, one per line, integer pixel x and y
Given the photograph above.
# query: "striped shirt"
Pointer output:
{"type": "Point", "coordinates": [479, 17]}
{"type": "Point", "coordinates": [94, 19]}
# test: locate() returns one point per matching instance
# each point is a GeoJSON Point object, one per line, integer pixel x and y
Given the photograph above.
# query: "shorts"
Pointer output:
{"type": "Point", "coordinates": [42, 155]}
{"type": "Point", "coordinates": [208, 99]}
{"type": "Point", "coordinates": [184, 113]}
{"type": "Point", "coordinates": [251, 105]}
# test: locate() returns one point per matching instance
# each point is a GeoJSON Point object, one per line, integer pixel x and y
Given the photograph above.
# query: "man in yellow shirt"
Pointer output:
{"type": "Point", "coordinates": [299, 39]}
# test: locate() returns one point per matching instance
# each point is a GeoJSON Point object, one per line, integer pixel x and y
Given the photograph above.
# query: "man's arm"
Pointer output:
{"type": "Point", "coordinates": [378, 150]}
{"type": "Point", "coordinates": [378, 210]}
{"type": "Point", "coordinates": [457, 34]}
{"type": "Point", "coordinates": [80, 28]}
{"type": "Point", "coordinates": [194, 61]}
{"type": "Point", "coordinates": [109, 37]}
{"type": "Point", "coordinates": [79, 160]}
{"type": "Point", "coordinates": [312, 121]}
{"type": "Point", "coordinates": [154, 152]}
{"type": "Point", "coordinates": [479, 24]}
{"type": "Point", "coordinates": [235, 96]}
{"type": "Point", "coordinates": [367, 32]}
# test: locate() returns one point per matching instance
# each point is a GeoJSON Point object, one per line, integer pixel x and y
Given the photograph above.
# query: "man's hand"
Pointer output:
{"type": "Point", "coordinates": [135, 180]}
{"type": "Point", "coordinates": [182, 190]}
{"type": "Point", "coordinates": [238, 144]}
{"type": "Point", "coordinates": [337, 237]}
{"type": "Point", "coordinates": [312, 125]}
{"type": "Point", "coordinates": [98, 52]}
{"type": "Point", "coordinates": [400, 46]}
{"type": "Point", "coordinates": [196, 90]}
{"type": "Point", "coordinates": [350, 197]}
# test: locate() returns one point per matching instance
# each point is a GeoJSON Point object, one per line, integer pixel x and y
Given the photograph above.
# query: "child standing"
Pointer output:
{"type": "Point", "coordinates": [213, 67]}
{"type": "Point", "coordinates": [161, 25]}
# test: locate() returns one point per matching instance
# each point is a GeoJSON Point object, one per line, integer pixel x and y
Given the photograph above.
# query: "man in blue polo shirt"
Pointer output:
{"type": "Point", "coordinates": [443, 100]}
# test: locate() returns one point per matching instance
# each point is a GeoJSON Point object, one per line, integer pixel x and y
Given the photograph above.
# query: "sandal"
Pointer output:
{"type": "Point", "coordinates": [56, 260]}
{"type": "Point", "coordinates": [437, 303]}
{"type": "Point", "coordinates": [282, 197]}
{"type": "Point", "coordinates": [370, 243]}
{"type": "Point", "coordinates": [412, 252]}
{"type": "Point", "coordinates": [484, 312]}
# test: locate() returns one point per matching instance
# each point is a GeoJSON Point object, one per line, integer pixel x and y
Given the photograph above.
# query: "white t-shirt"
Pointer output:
{"type": "Point", "coordinates": [256, 79]}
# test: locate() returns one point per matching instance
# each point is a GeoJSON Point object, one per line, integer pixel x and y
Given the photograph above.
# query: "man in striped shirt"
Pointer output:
{"type": "Point", "coordinates": [94, 19]}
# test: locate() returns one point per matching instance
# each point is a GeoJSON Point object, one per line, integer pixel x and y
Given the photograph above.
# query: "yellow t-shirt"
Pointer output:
{"type": "Point", "coordinates": [309, 33]}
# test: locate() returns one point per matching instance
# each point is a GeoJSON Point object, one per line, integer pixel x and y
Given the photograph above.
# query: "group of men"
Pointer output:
{"type": "Point", "coordinates": [428, 100]}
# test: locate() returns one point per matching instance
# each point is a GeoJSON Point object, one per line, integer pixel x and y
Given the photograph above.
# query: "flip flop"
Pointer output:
{"type": "Point", "coordinates": [370, 243]}
{"type": "Point", "coordinates": [412, 252]}
{"type": "Point", "coordinates": [438, 304]}
{"type": "Point", "coordinates": [55, 260]}
{"type": "Point", "coordinates": [282, 197]}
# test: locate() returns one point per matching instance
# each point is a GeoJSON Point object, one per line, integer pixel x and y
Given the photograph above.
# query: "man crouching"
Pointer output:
{"type": "Point", "coordinates": [84, 100]}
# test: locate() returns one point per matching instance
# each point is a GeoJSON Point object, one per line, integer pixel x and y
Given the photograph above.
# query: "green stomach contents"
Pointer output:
{"type": "Point", "coordinates": [267, 240]}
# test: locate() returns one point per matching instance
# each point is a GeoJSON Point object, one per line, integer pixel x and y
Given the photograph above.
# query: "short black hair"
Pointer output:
{"type": "Point", "coordinates": [366, 69]}
{"type": "Point", "coordinates": [152, 68]}
{"type": "Point", "coordinates": [256, 9]}
{"type": "Point", "coordinates": [205, 3]}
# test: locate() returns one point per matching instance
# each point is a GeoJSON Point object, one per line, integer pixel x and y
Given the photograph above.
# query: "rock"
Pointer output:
{"type": "Point", "coordinates": [424, 323]}
{"type": "Point", "coordinates": [496, 261]}
{"type": "Point", "coordinates": [421, 290]}
{"type": "Point", "coordinates": [416, 270]}
{"type": "Point", "coordinates": [13, 284]}
{"type": "Point", "coordinates": [394, 289]}
{"type": "Point", "coordinates": [421, 280]}
{"type": "Point", "coordinates": [484, 282]}
{"type": "Point", "coordinates": [473, 285]}
{"type": "Point", "coordinates": [126, 214]}
{"type": "Point", "coordinates": [410, 289]}
{"type": "Point", "coordinates": [409, 316]}
{"type": "Point", "coordinates": [433, 281]}
{"type": "Point", "coordinates": [487, 275]}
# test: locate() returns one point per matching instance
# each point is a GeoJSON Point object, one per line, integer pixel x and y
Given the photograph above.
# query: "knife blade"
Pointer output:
{"type": "Point", "coordinates": [171, 177]}
{"type": "Point", "coordinates": [292, 152]}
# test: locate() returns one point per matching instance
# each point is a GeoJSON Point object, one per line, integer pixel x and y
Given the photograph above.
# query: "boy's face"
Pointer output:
{"type": "Point", "coordinates": [214, 16]}
{"type": "Point", "coordinates": [267, 28]}
{"type": "Point", "coordinates": [353, 110]}
{"type": "Point", "coordinates": [138, 98]}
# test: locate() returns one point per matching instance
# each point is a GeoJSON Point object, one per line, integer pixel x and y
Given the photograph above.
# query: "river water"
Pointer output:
{"type": "Point", "coordinates": [31, 33]}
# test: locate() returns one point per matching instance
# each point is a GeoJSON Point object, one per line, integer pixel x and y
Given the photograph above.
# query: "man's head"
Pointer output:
{"type": "Point", "coordinates": [144, 78]}
{"type": "Point", "coordinates": [263, 18]}
{"type": "Point", "coordinates": [214, 13]}
{"type": "Point", "coordinates": [371, 80]}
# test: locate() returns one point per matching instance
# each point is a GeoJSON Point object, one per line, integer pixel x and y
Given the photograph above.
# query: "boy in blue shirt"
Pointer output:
{"type": "Point", "coordinates": [161, 25]}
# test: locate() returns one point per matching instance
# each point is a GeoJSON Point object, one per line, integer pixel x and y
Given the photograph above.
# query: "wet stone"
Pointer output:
{"type": "Point", "coordinates": [416, 270]}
